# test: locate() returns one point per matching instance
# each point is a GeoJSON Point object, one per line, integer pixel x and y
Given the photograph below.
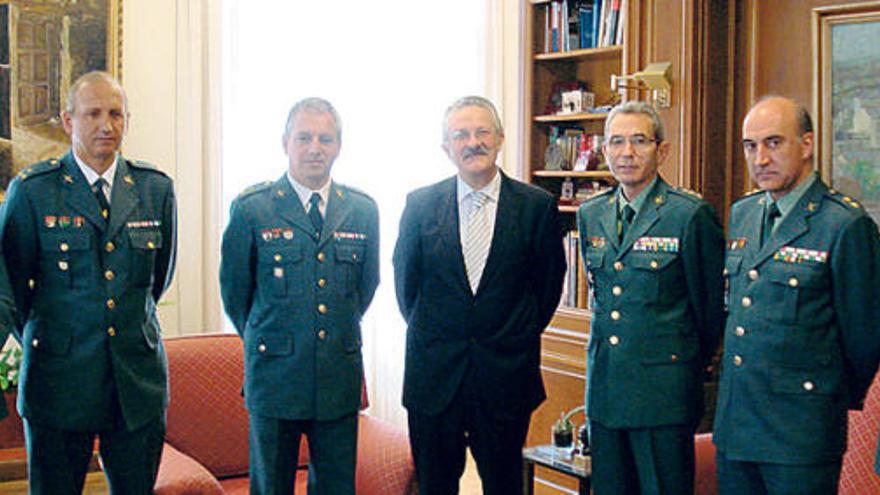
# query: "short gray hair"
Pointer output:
{"type": "Point", "coordinates": [634, 107]}
{"type": "Point", "coordinates": [88, 78]}
{"type": "Point", "coordinates": [472, 101]}
{"type": "Point", "coordinates": [313, 104]}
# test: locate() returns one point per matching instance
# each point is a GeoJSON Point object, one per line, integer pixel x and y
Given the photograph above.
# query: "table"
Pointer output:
{"type": "Point", "coordinates": [547, 456]}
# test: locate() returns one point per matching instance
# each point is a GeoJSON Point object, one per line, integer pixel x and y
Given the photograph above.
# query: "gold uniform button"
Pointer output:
{"type": "Point", "coordinates": [739, 331]}
{"type": "Point", "coordinates": [322, 334]}
{"type": "Point", "coordinates": [617, 290]}
{"type": "Point", "coordinates": [62, 265]}
{"type": "Point", "coordinates": [614, 340]}
{"type": "Point", "coordinates": [111, 332]}
{"type": "Point", "coordinates": [111, 304]}
{"type": "Point", "coordinates": [725, 272]}
{"type": "Point", "coordinates": [322, 257]}
{"type": "Point", "coordinates": [747, 302]}
{"type": "Point", "coordinates": [277, 257]}
{"type": "Point", "coordinates": [793, 282]}
{"type": "Point", "coordinates": [322, 308]}
{"type": "Point", "coordinates": [673, 357]}
{"type": "Point", "coordinates": [64, 247]}
{"type": "Point", "coordinates": [809, 386]}
{"type": "Point", "coordinates": [151, 245]}
{"type": "Point", "coordinates": [738, 360]}
{"type": "Point", "coordinates": [35, 343]}
{"type": "Point", "coordinates": [109, 247]}
{"type": "Point", "coordinates": [109, 275]}
{"type": "Point", "coordinates": [615, 315]}
{"type": "Point", "coordinates": [654, 264]}
{"type": "Point", "coordinates": [753, 274]}
{"type": "Point", "coordinates": [354, 256]}
{"type": "Point", "coordinates": [322, 282]}
{"type": "Point", "coordinates": [618, 266]}
{"type": "Point", "coordinates": [261, 347]}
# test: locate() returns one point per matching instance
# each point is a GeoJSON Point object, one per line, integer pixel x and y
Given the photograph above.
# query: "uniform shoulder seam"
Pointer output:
{"type": "Point", "coordinates": [40, 168]}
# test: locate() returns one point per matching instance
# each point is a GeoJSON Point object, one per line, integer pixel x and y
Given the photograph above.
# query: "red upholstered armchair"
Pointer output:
{"type": "Point", "coordinates": [206, 444]}
{"type": "Point", "coordinates": [857, 476]}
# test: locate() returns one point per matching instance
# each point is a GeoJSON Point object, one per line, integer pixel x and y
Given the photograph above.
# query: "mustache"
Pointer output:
{"type": "Point", "coordinates": [474, 151]}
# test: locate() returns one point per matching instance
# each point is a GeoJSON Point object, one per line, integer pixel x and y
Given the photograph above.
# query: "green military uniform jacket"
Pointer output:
{"type": "Point", "coordinates": [802, 341]}
{"type": "Point", "coordinates": [297, 299]}
{"type": "Point", "coordinates": [86, 290]}
{"type": "Point", "coordinates": [657, 307]}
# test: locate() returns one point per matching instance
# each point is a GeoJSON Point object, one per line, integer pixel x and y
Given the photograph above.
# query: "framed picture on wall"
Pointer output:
{"type": "Point", "coordinates": [846, 71]}
{"type": "Point", "coordinates": [44, 47]}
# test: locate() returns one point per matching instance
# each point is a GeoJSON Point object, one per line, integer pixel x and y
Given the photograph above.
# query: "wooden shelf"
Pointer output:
{"type": "Point", "coordinates": [582, 53]}
{"type": "Point", "coordinates": [568, 208]}
{"type": "Point", "coordinates": [591, 174]}
{"type": "Point", "coordinates": [573, 117]}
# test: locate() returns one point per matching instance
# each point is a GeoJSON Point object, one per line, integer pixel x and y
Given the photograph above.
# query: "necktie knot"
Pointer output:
{"type": "Point", "coordinates": [478, 201]}
{"type": "Point", "coordinates": [315, 213]}
{"type": "Point", "coordinates": [628, 213]}
{"type": "Point", "coordinates": [770, 221]}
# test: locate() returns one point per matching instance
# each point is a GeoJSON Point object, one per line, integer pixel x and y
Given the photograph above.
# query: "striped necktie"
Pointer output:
{"type": "Point", "coordinates": [98, 189]}
{"type": "Point", "coordinates": [315, 213]}
{"type": "Point", "coordinates": [479, 237]}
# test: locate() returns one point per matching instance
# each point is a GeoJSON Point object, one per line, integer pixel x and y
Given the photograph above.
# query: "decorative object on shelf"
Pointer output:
{"type": "Point", "coordinates": [587, 158]}
{"type": "Point", "coordinates": [656, 77]}
{"type": "Point", "coordinates": [563, 432]}
{"type": "Point", "coordinates": [10, 362]}
{"type": "Point", "coordinates": [567, 192]}
{"type": "Point", "coordinates": [577, 101]}
{"type": "Point", "coordinates": [555, 104]}
{"type": "Point", "coordinates": [553, 158]}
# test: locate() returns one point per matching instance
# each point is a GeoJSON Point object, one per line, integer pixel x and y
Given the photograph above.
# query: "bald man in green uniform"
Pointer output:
{"type": "Point", "coordinates": [802, 341]}
{"type": "Point", "coordinates": [654, 255]}
{"type": "Point", "coordinates": [90, 239]}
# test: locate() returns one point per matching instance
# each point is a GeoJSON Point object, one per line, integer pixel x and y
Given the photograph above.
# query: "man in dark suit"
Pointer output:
{"type": "Point", "coordinates": [91, 238]}
{"type": "Point", "coordinates": [300, 267]}
{"type": "Point", "coordinates": [802, 341]}
{"type": "Point", "coordinates": [478, 271]}
{"type": "Point", "coordinates": [654, 256]}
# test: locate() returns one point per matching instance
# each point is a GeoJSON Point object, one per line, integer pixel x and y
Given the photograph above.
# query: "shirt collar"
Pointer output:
{"type": "Point", "coordinates": [639, 200]}
{"type": "Point", "coordinates": [787, 202]}
{"type": "Point", "coordinates": [304, 193]}
{"type": "Point", "coordinates": [90, 174]}
{"type": "Point", "coordinates": [492, 189]}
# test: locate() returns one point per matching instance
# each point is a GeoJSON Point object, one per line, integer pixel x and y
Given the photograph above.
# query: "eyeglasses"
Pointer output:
{"type": "Point", "coordinates": [639, 142]}
{"type": "Point", "coordinates": [461, 135]}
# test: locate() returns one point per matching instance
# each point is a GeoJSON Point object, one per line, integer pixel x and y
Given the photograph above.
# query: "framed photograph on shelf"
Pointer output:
{"type": "Point", "coordinates": [44, 47]}
{"type": "Point", "coordinates": [847, 100]}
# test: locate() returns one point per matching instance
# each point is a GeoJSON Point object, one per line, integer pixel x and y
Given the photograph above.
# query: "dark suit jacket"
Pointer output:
{"type": "Point", "coordinates": [86, 291]}
{"type": "Point", "coordinates": [497, 332]}
{"type": "Point", "coordinates": [802, 341]}
{"type": "Point", "coordinates": [657, 307]}
{"type": "Point", "coordinates": [297, 300]}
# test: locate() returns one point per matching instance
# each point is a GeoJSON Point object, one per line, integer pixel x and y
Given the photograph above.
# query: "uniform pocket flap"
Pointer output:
{"type": "Point", "coordinates": [274, 345]}
{"type": "Point", "coordinates": [145, 239]}
{"type": "Point", "coordinates": [350, 252]}
{"type": "Point", "coordinates": [63, 242]}
{"type": "Point", "coordinates": [280, 254]}
{"type": "Point", "coordinates": [652, 262]}
{"type": "Point", "coordinates": [732, 264]}
{"type": "Point", "coordinates": [797, 276]}
{"type": "Point", "coordinates": [823, 381]}
{"type": "Point", "coordinates": [667, 349]}
{"type": "Point", "coordinates": [594, 258]}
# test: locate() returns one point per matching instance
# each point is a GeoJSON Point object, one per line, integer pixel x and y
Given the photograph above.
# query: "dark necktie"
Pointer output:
{"type": "Point", "coordinates": [315, 213]}
{"type": "Point", "coordinates": [626, 217]}
{"type": "Point", "coordinates": [98, 189]}
{"type": "Point", "coordinates": [769, 221]}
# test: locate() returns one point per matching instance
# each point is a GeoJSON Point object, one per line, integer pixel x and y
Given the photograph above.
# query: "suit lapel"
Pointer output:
{"type": "Point", "coordinates": [608, 220]}
{"type": "Point", "coordinates": [288, 206]}
{"type": "Point", "coordinates": [338, 211]}
{"type": "Point", "coordinates": [124, 199]}
{"type": "Point", "coordinates": [646, 217]}
{"type": "Point", "coordinates": [795, 224]}
{"type": "Point", "coordinates": [503, 233]}
{"type": "Point", "coordinates": [448, 229]}
{"type": "Point", "coordinates": [77, 193]}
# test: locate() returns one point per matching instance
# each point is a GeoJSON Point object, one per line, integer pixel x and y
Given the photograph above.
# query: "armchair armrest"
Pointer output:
{"type": "Point", "coordinates": [180, 474]}
{"type": "Point", "coordinates": [385, 464]}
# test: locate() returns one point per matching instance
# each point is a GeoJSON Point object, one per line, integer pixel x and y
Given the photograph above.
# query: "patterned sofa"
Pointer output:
{"type": "Point", "coordinates": [206, 444]}
{"type": "Point", "coordinates": [857, 476]}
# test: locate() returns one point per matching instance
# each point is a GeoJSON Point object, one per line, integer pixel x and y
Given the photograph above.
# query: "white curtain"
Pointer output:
{"type": "Point", "coordinates": [390, 67]}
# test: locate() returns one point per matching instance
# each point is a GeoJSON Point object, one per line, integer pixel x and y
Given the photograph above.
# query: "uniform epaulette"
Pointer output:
{"type": "Point", "coordinates": [753, 192]}
{"type": "Point", "coordinates": [144, 166]}
{"type": "Point", "coordinates": [342, 189]}
{"type": "Point", "coordinates": [598, 194]}
{"type": "Point", "coordinates": [685, 192]}
{"type": "Point", "coordinates": [844, 200]}
{"type": "Point", "coordinates": [261, 186]}
{"type": "Point", "coordinates": [40, 168]}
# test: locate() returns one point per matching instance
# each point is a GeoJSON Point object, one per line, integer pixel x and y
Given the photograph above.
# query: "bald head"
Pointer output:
{"type": "Point", "coordinates": [778, 144]}
{"type": "Point", "coordinates": [93, 77]}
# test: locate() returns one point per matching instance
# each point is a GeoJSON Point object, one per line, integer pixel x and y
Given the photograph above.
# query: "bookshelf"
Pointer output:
{"type": "Point", "coordinates": [549, 70]}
